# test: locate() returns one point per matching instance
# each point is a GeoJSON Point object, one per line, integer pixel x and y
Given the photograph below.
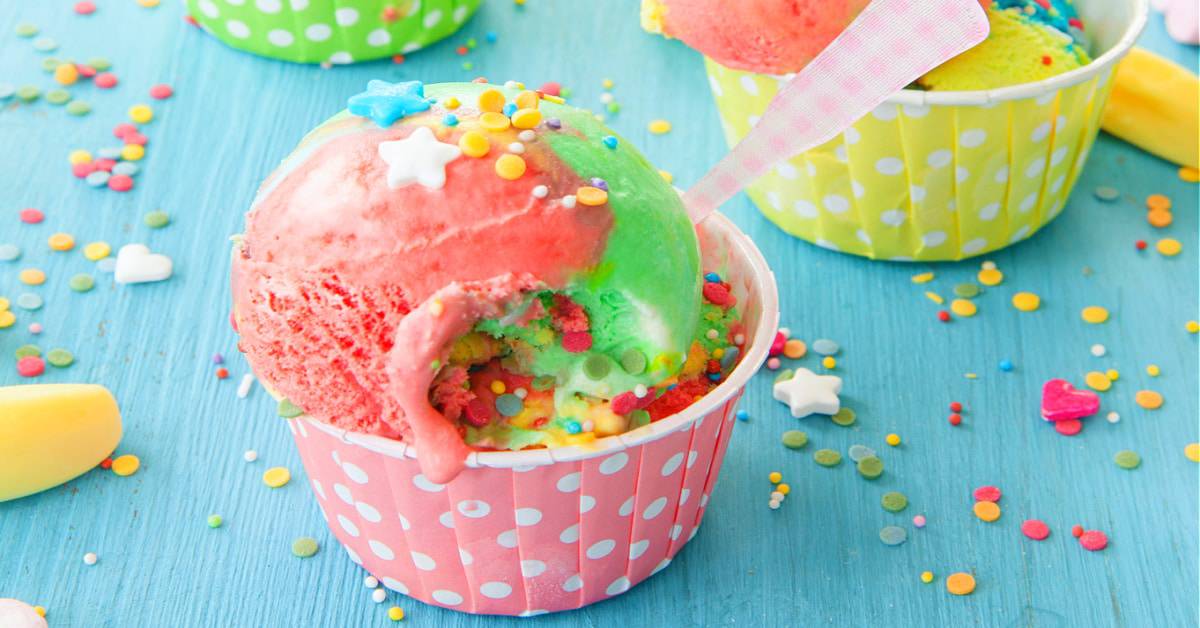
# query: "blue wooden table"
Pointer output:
{"type": "Point", "coordinates": [816, 561]}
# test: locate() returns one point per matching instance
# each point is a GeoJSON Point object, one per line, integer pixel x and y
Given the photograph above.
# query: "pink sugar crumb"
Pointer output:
{"type": "Point", "coordinates": [449, 394]}
{"type": "Point", "coordinates": [568, 316]}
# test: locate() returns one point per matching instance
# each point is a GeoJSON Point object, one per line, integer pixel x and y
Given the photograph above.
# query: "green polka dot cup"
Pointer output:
{"type": "Point", "coordinates": [936, 176]}
{"type": "Point", "coordinates": [334, 31]}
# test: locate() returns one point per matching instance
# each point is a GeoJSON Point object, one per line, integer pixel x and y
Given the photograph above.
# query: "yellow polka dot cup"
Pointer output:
{"type": "Point", "coordinates": [330, 31]}
{"type": "Point", "coordinates": [936, 176]}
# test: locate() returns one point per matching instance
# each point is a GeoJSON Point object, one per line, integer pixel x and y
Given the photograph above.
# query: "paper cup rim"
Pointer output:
{"type": "Point", "coordinates": [1141, 11]}
{"type": "Point", "coordinates": [528, 459]}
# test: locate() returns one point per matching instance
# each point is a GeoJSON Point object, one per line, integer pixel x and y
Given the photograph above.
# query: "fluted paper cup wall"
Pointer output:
{"type": "Point", "coordinates": [334, 31]}
{"type": "Point", "coordinates": [525, 533]}
{"type": "Point", "coordinates": [939, 175]}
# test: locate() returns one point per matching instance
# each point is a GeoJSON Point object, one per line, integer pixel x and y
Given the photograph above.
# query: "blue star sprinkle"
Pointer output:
{"type": "Point", "coordinates": [386, 102]}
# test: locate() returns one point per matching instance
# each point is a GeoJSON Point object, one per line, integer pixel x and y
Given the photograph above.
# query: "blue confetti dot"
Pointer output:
{"type": "Point", "coordinates": [450, 120]}
{"type": "Point", "coordinates": [107, 265]}
{"type": "Point", "coordinates": [127, 168]}
{"type": "Point", "coordinates": [573, 427]}
{"type": "Point", "coordinates": [712, 278]}
{"type": "Point", "coordinates": [893, 535]}
{"type": "Point", "coordinates": [9, 252]}
{"type": "Point", "coordinates": [1006, 365]}
{"type": "Point", "coordinates": [858, 452]}
{"type": "Point", "coordinates": [730, 356]}
{"type": "Point", "coordinates": [509, 405]}
{"type": "Point", "coordinates": [609, 141]}
{"type": "Point", "coordinates": [714, 377]}
{"type": "Point", "coordinates": [29, 301]}
{"type": "Point", "coordinates": [490, 36]}
{"type": "Point", "coordinates": [742, 415]}
{"type": "Point", "coordinates": [824, 346]}
{"type": "Point", "coordinates": [109, 153]}
{"type": "Point", "coordinates": [97, 179]}
{"type": "Point", "coordinates": [509, 109]}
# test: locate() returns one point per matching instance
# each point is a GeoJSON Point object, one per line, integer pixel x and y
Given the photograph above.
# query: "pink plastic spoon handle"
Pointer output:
{"type": "Point", "coordinates": [891, 44]}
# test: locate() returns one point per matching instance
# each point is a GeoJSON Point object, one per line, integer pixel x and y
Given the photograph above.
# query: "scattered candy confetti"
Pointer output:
{"type": "Point", "coordinates": [214, 521]}
{"type": "Point", "coordinates": [1094, 314]}
{"type": "Point", "coordinates": [893, 440]}
{"type": "Point", "coordinates": [305, 547]}
{"type": "Point", "coordinates": [987, 511]}
{"type": "Point", "coordinates": [126, 465]}
{"type": "Point", "coordinates": [827, 457]}
{"type": "Point", "coordinates": [1192, 451]}
{"type": "Point", "coordinates": [870, 467]}
{"type": "Point", "coordinates": [893, 535]}
{"type": "Point", "coordinates": [987, 494]}
{"type": "Point", "coordinates": [1026, 301]}
{"type": "Point", "coordinates": [275, 477]}
{"type": "Point", "coordinates": [1127, 459]}
{"type": "Point", "coordinates": [894, 501]}
{"type": "Point", "coordinates": [1169, 247]}
{"type": "Point", "coordinates": [960, 583]}
{"type": "Point", "coordinates": [794, 439]}
{"type": "Point", "coordinates": [1093, 540]}
{"type": "Point", "coordinates": [1035, 529]}
{"type": "Point", "coordinates": [926, 577]}
{"type": "Point", "coordinates": [90, 558]}
{"type": "Point", "coordinates": [1148, 399]}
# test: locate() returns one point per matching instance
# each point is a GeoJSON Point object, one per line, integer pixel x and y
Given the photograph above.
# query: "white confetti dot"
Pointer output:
{"type": "Point", "coordinates": [532, 568]}
{"type": "Point", "coordinates": [423, 561]}
{"type": "Point", "coordinates": [318, 32]}
{"type": "Point", "coordinates": [90, 558]}
{"type": "Point", "coordinates": [1099, 350]}
{"type": "Point", "coordinates": [381, 549]}
{"type": "Point", "coordinates": [972, 138]}
{"type": "Point", "coordinates": [379, 596]}
{"type": "Point", "coordinates": [889, 166]}
{"type": "Point", "coordinates": [601, 549]}
{"type": "Point", "coordinates": [1113, 417]}
{"type": "Point", "coordinates": [250, 455]}
{"type": "Point", "coordinates": [447, 597]}
{"type": "Point", "coordinates": [237, 28]}
{"type": "Point", "coordinates": [654, 509]}
{"type": "Point", "coordinates": [528, 516]}
{"type": "Point", "coordinates": [495, 590]}
{"type": "Point", "coordinates": [347, 525]}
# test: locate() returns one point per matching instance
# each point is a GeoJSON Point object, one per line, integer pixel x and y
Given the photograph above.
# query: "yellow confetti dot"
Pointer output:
{"type": "Point", "coordinates": [66, 74]}
{"type": "Point", "coordinates": [1094, 314]}
{"type": "Point", "coordinates": [32, 277]}
{"type": "Point", "coordinates": [491, 100]}
{"type": "Point", "coordinates": [926, 577]}
{"type": "Point", "coordinates": [510, 167]}
{"type": "Point", "coordinates": [395, 613]}
{"type": "Point", "coordinates": [987, 511]}
{"type": "Point", "coordinates": [659, 127]}
{"type": "Point", "coordinates": [1026, 301]}
{"type": "Point", "coordinates": [494, 122]}
{"type": "Point", "coordinates": [1192, 451]}
{"type": "Point", "coordinates": [1153, 370]}
{"type": "Point", "coordinates": [7, 319]}
{"type": "Point", "coordinates": [149, 4]}
{"type": "Point", "coordinates": [893, 440]}
{"type": "Point", "coordinates": [1148, 399]}
{"type": "Point", "coordinates": [935, 297]}
{"type": "Point", "coordinates": [497, 387]}
{"type": "Point", "coordinates": [775, 477]}
{"type": "Point", "coordinates": [795, 349]}
{"type": "Point", "coordinates": [527, 100]}
{"type": "Point", "coordinates": [1189, 174]}
{"type": "Point", "coordinates": [4, 304]}
{"type": "Point", "coordinates": [96, 251]}
{"type": "Point", "coordinates": [591, 196]}
{"type": "Point", "coordinates": [474, 144]}
{"type": "Point", "coordinates": [133, 152]}
{"type": "Point", "coordinates": [141, 114]}
{"type": "Point", "coordinates": [79, 156]}
{"type": "Point", "coordinates": [526, 118]}
{"type": "Point", "coordinates": [607, 83]}
{"type": "Point", "coordinates": [1097, 381]}
{"type": "Point", "coordinates": [963, 307]}
{"type": "Point", "coordinates": [276, 477]}
{"type": "Point", "coordinates": [990, 277]}
{"type": "Point", "coordinates": [1192, 327]}
{"type": "Point", "coordinates": [828, 362]}
{"type": "Point", "coordinates": [1169, 247]}
{"type": "Point", "coordinates": [960, 583]}
{"type": "Point", "coordinates": [126, 465]}
{"type": "Point", "coordinates": [784, 488]}
{"type": "Point", "coordinates": [451, 103]}
{"type": "Point", "coordinates": [668, 177]}
{"type": "Point", "coordinates": [61, 241]}
{"type": "Point", "coordinates": [922, 278]}
{"type": "Point", "coordinates": [1112, 374]}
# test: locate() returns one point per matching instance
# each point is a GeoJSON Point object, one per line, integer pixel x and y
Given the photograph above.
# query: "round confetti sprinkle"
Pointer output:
{"type": "Point", "coordinates": [987, 493]}
{"type": "Point", "coordinates": [276, 477]}
{"type": "Point", "coordinates": [1127, 459]}
{"type": "Point", "coordinates": [1113, 417]}
{"type": "Point", "coordinates": [97, 251]}
{"type": "Point", "coordinates": [659, 127]}
{"type": "Point", "coordinates": [1148, 399]}
{"type": "Point", "coordinates": [824, 346]}
{"type": "Point", "coordinates": [870, 467]}
{"type": "Point", "coordinates": [1169, 247]}
{"type": "Point", "coordinates": [1192, 327]}
{"type": "Point", "coordinates": [1159, 219]}
{"type": "Point", "coordinates": [960, 583]}
{"type": "Point", "coordinates": [98, 179]}
{"type": "Point", "coordinates": [1099, 350]}
{"type": "Point", "coordinates": [9, 252]}
{"type": "Point", "coordinates": [126, 465]}
{"type": "Point", "coordinates": [858, 452]}
{"type": "Point", "coordinates": [844, 417]}
{"type": "Point", "coordinates": [919, 521]}
{"type": "Point", "coordinates": [775, 477]}
{"type": "Point", "coordinates": [141, 114]}
{"type": "Point", "coordinates": [794, 439]}
{"type": "Point", "coordinates": [250, 455]}
{"type": "Point", "coordinates": [156, 219]}
{"type": "Point", "coordinates": [29, 301]}
{"type": "Point", "coordinates": [987, 511]}
{"type": "Point", "coordinates": [511, 405]}
{"type": "Point", "coordinates": [1094, 314]}
{"type": "Point", "coordinates": [28, 93]}
{"type": "Point", "coordinates": [161, 91]}
{"type": "Point", "coordinates": [305, 547]}
{"type": "Point", "coordinates": [1158, 202]}
{"type": "Point", "coordinates": [214, 521]}
{"type": "Point", "coordinates": [395, 613]}
{"type": "Point", "coordinates": [45, 44]}
{"type": "Point", "coordinates": [1152, 370]}
{"type": "Point", "coordinates": [963, 308]}
{"type": "Point", "coordinates": [827, 457]}
{"type": "Point", "coordinates": [79, 107]}
{"type": "Point", "coordinates": [966, 290]}
{"type": "Point", "coordinates": [990, 277]}
{"type": "Point", "coordinates": [58, 96]}
{"type": "Point", "coordinates": [893, 535]}
{"type": "Point", "coordinates": [892, 439]}
{"type": "Point", "coordinates": [1189, 174]}
{"type": "Point", "coordinates": [31, 216]}
{"type": "Point", "coordinates": [25, 29]}
{"type": "Point", "coordinates": [1035, 529]}
{"type": "Point", "coordinates": [794, 349]}
{"type": "Point", "coordinates": [828, 362]}
{"type": "Point", "coordinates": [90, 558]}
{"type": "Point", "coordinates": [894, 501]}
{"type": "Point", "coordinates": [1093, 540]}
{"type": "Point", "coordinates": [28, 350]}
{"type": "Point", "coordinates": [926, 577]}
{"type": "Point", "coordinates": [7, 319]}
{"type": "Point", "coordinates": [1192, 451]}
{"type": "Point", "coordinates": [1069, 427]}
{"type": "Point", "coordinates": [1076, 530]}
{"type": "Point", "coordinates": [1026, 301]}
{"type": "Point", "coordinates": [1006, 365]}
{"type": "Point", "coordinates": [61, 242]}
{"type": "Point", "coordinates": [1106, 193]}
{"type": "Point", "coordinates": [510, 167]}
{"type": "Point", "coordinates": [1097, 381]}
{"type": "Point", "coordinates": [32, 277]}
{"type": "Point", "coordinates": [60, 358]}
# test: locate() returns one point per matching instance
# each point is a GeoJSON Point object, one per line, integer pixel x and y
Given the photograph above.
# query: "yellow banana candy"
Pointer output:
{"type": "Point", "coordinates": [52, 433]}
{"type": "Point", "coordinates": [1154, 107]}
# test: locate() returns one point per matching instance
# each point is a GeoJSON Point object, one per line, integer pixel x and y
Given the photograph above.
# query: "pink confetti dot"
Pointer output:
{"type": "Point", "coordinates": [987, 494]}
{"type": "Point", "coordinates": [1093, 540]}
{"type": "Point", "coordinates": [35, 328]}
{"type": "Point", "coordinates": [135, 138]}
{"type": "Point", "coordinates": [1035, 529]}
{"type": "Point", "coordinates": [1069, 427]}
{"type": "Point", "coordinates": [123, 129]}
{"type": "Point", "coordinates": [773, 364]}
{"type": "Point", "coordinates": [30, 366]}
{"type": "Point", "coordinates": [86, 71]}
{"type": "Point", "coordinates": [120, 183]}
{"type": "Point", "coordinates": [161, 91]}
{"type": "Point", "coordinates": [919, 521]}
{"type": "Point", "coordinates": [85, 7]}
{"type": "Point", "coordinates": [105, 164]}
{"type": "Point", "coordinates": [32, 216]}
{"type": "Point", "coordinates": [105, 80]}
{"type": "Point", "coordinates": [83, 170]}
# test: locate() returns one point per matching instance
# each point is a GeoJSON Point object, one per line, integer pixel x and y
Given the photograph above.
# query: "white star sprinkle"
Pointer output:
{"type": "Point", "coordinates": [419, 158]}
{"type": "Point", "coordinates": [808, 393]}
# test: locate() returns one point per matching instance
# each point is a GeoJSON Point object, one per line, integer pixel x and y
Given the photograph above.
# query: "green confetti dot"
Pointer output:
{"type": "Point", "coordinates": [25, 351]}
{"type": "Point", "coordinates": [564, 92]}
{"type": "Point", "coordinates": [894, 501]}
{"type": "Point", "coordinates": [288, 410]}
{"type": "Point", "coordinates": [844, 417]}
{"type": "Point", "coordinates": [81, 282]}
{"type": "Point", "coordinates": [893, 535]}
{"type": "Point", "coordinates": [1127, 459]}
{"type": "Point", "coordinates": [784, 375]}
{"type": "Point", "coordinates": [99, 63]}
{"type": "Point", "coordinates": [215, 521]}
{"type": "Point", "coordinates": [827, 457]}
{"type": "Point", "coordinates": [29, 93]}
{"type": "Point", "coordinates": [25, 29]}
{"type": "Point", "coordinates": [633, 361]}
{"type": "Point", "coordinates": [58, 96]}
{"type": "Point", "coordinates": [870, 467]}
{"type": "Point", "coordinates": [156, 219]}
{"type": "Point", "coordinates": [597, 366]}
{"type": "Point", "coordinates": [79, 107]}
{"type": "Point", "coordinates": [60, 358]}
{"type": "Point", "coordinates": [794, 439]}
{"type": "Point", "coordinates": [467, 65]}
{"type": "Point", "coordinates": [966, 290]}
{"type": "Point", "coordinates": [304, 547]}
{"type": "Point", "coordinates": [50, 64]}
{"type": "Point", "coordinates": [613, 107]}
{"type": "Point", "coordinates": [45, 44]}
{"type": "Point", "coordinates": [640, 418]}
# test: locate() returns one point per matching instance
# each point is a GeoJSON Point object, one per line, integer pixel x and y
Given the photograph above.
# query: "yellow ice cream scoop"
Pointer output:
{"type": "Point", "coordinates": [1154, 107]}
{"type": "Point", "coordinates": [52, 433]}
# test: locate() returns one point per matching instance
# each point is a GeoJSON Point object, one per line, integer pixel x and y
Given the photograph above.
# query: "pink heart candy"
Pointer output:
{"type": "Point", "coordinates": [1062, 402]}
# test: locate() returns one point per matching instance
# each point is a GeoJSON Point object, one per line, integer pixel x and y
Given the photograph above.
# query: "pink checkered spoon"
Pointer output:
{"type": "Point", "coordinates": [891, 44]}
